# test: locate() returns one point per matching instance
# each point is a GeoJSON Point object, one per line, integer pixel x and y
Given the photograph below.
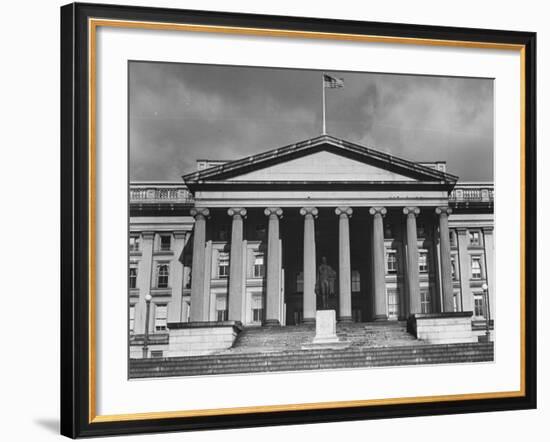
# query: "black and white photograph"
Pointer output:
{"type": "Point", "coordinates": [288, 220]}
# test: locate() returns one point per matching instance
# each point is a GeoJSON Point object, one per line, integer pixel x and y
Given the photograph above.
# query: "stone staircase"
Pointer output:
{"type": "Point", "coordinates": [268, 349]}
{"type": "Point", "coordinates": [299, 360]}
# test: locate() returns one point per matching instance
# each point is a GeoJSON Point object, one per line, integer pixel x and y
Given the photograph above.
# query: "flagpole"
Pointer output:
{"type": "Point", "coordinates": [324, 110]}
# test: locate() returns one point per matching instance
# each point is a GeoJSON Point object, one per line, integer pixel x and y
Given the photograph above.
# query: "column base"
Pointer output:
{"type": "Point", "coordinates": [308, 321]}
{"type": "Point", "coordinates": [272, 323]}
{"type": "Point", "coordinates": [345, 319]}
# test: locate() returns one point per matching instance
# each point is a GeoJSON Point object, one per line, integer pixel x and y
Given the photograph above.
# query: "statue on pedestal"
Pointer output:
{"type": "Point", "coordinates": [326, 277]}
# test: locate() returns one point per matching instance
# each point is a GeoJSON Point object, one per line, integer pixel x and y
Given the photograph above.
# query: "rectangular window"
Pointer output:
{"type": "Point", "coordinates": [298, 316]}
{"type": "Point", "coordinates": [391, 262]}
{"type": "Point", "coordinates": [257, 309]}
{"type": "Point", "coordinates": [134, 243]}
{"type": "Point", "coordinates": [132, 278]}
{"type": "Point", "coordinates": [423, 261]}
{"type": "Point", "coordinates": [165, 242]}
{"type": "Point", "coordinates": [223, 265]}
{"type": "Point", "coordinates": [476, 267]}
{"type": "Point", "coordinates": [455, 302]}
{"type": "Point", "coordinates": [156, 353]}
{"type": "Point", "coordinates": [223, 233]}
{"type": "Point", "coordinates": [421, 230]}
{"type": "Point", "coordinates": [452, 238]}
{"type": "Point", "coordinates": [259, 268]}
{"type": "Point", "coordinates": [131, 318]}
{"type": "Point", "coordinates": [425, 301]}
{"type": "Point", "coordinates": [221, 309]}
{"type": "Point", "coordinates": [475, 237]}
{"type": "Point", "coordinates": [388, 231]}
{"type": "Point", "coordinates": [393, 303]}
{"type": "Point", "coordinates": [355, 281]}
{"type": "Point", "coordinates": [161, 317]}
{"type": "Point", "coordinates": [454, 273]}
{"type": "Point", "coordinates": [300, 282]}
{"type": "Point", "coordinates": [162, 276]}
{"type": "Point", "coordinates": [479, 306]}
{"type": "Point", "coordinates": [260, 231]}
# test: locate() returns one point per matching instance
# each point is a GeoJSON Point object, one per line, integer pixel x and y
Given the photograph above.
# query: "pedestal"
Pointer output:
{"type": "Point", "coordinates": [325, 332]}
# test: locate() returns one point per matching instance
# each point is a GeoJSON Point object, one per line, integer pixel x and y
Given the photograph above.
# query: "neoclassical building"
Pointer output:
{"type": "Point", "coordinates": [242, 241]}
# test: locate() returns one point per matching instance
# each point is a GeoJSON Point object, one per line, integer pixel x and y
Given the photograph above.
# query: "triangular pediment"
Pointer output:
{"type": "Point", "coordinates": [321, 159]}
{"type": "Point", "coordinates": [322, 165]}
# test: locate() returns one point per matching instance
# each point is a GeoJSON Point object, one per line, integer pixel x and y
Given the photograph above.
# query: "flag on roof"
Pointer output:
{"type": "Point", "coordinates": [332, 82]}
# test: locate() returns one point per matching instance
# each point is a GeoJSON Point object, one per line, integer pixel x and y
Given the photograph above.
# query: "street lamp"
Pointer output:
{"type": "Point", "coordinates": [485, 288]}
{"type": "Point", "coordinates": [148, 298]}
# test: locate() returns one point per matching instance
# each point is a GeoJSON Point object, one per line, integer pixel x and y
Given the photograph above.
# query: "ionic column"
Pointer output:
{"type": "Point", "coordinates": [199, 305]}
{"type": "Point", "coordinates": [488, 245]}
{"type": "Point", "coordinates": [273, 286]}
{"type": "Point", "coordinates": [174, 308]}
{"type": "Point", "coordinates": [310, 307]}
{"type": "Point", "coordinates": [379, 270]}
{"type": "Point", "coordinates": [236, 260]}
{"type": "Point", "coordinates": [445, 257]}
{"type": "Point", "coordinates": [344, 263]}
{"type": "Point", "coordinates": [413, 284]}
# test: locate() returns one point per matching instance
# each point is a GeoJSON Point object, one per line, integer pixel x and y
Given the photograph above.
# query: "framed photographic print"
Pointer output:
{"type": "Point", "coordinates": [279, 220]}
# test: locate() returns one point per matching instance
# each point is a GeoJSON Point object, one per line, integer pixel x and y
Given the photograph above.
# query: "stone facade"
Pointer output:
{"type": "Point", "coordinates": [242, 241]}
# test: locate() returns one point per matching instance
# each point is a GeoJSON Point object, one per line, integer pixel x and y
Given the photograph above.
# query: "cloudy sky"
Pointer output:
{"type": "Point", "coordinates": [180, 113]}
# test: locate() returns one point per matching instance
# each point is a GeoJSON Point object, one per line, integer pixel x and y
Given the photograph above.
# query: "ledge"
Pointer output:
{"type": "Point", "coordinates": [205, 324]}
{"type": "Point", "coordinates": [442, 315]}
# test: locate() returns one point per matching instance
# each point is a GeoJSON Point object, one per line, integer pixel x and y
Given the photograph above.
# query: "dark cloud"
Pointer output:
{"type": "Point", "coordinates": [180, 113]}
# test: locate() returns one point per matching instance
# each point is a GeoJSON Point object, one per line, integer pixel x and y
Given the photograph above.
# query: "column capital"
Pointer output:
{"type": "Point", "coordinates": [415, 211]}
{"type": "Point", "coordinates": [443, 210]}
{"type": "Point", "coordinates": [304, 211]}
{"type": "Point", "coordinates": [180, 234]}
{"type": "Point", "coordinates": [273, 211]}
{"type": "Point", "coordinates": [237, 212]}
{"type": "Point", "coordinates": [345, 211]}
{"type": "Point", "coordinates": [199, 212]}
{"type": "Point", "coordinates": [378, 210]}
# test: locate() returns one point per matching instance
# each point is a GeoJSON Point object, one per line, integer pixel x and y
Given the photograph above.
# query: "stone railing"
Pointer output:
{"type": "Point", "coordinates": [472, 193]}
{"type": "Point", "coordinates": [148, 193]}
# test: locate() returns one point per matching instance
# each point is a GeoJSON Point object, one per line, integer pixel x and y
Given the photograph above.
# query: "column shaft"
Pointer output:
{"type": "Point", "coordinates": [445, 250]}
{"type": "Point", "coordinates": [174, 308]}
{"type": "Point", "coordinates": [413, 284]}
{"type": "Point", "coordinates": [344, 264]}
{"type": "Point", "coordinates": [310, 305]}
{"type": "Point", "coordinates": [144, 281]}
{"type": "Point", "coordinates": [198, 311]}
{"type": "Point", "coordinates": [379, 270]}
{"type": "Point", "coordinates": [236, 261]}
{"type": "Point", "coordinates": [273, 286]}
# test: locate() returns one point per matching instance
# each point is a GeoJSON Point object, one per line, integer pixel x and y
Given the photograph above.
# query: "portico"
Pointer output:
{"type": "Point", "coordinates": [380, 221]}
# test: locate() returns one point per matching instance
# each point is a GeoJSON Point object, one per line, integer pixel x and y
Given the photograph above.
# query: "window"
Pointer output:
{"type": "Point", "coordinates": [131, 318]}
{"type": "Point", "coordinates": [455, 301]}
{"type": "Point", "coordinates": [257, 309]}
{"type": "Point", "coordinates": [391, 261]}
{"type": "Point", "coordinates": [476, 267]}
{"type": "Point", "coordinates": [223, 233]}
{"type": "Point", "coordinates": [421, 230]}
{"type": "Point", "coordinates": [221, 309]}
{"type": "Point", "coordinates": [165, 242]}
{"type": "Point", "coordinates": [454, 273]}
{"type": "Point", "coordinates": [393, 303]}
{"type": "Point", "coordinates": [134, 243]}
{"type": "Point", "coordinates": [452, 238]}
{"type": "Point", "coordinates": [298, 316]}
{"type": "Point", "coordinates": [475, 237]}
{"type": "Point", "coordinates": [156, 353]}
{"type": "Point", "coordinates": [132, 277]}
{"type": "Point", "coordinates": [161, 317]}
{"type": "Point", "coordinates": [425, 301]}
{"type": "Point", "coordinates": [423, 261]}
{"type": "Point", "coordinates": [223, 265]}
{"type": "Point", "coordinates": [300, 282]}
{"type": "Point", "coordinates": [260, 231]}
{"type": "Point", "coordinates": [259, 268]}
{"type": "Point", "coordinates": [388, 231]}
{"type": "Point", "coordinates": [355, 281]}
{"type": "Point", "coordinates": [479, 306]}
{"type": "Point", "coordinates": [162, 276]}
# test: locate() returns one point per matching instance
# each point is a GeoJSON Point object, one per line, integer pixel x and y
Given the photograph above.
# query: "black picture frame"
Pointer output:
{"type": "Point", "coordinates": [76, 402]}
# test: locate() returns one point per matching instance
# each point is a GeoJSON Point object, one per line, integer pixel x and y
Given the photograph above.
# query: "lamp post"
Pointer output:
{"type": "Point", "coordinates": [485, 288]}
{"type": "Point", "coordinates": [148, 298]}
